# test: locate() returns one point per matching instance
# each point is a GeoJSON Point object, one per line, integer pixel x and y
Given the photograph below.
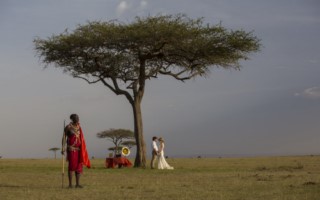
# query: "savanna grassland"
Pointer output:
{"type": "Point", "coordinates": [267, 178]}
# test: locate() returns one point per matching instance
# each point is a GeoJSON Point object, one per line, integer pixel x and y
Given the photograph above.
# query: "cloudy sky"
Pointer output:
{"type": "Point", "coordinates": [270, 107]}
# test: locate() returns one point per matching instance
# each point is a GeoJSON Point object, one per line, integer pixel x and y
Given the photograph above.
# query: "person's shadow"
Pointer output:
{"type": "Point", "coordinates": [10, 186]}
{"type": "Point", "coordinates": [21, 186]}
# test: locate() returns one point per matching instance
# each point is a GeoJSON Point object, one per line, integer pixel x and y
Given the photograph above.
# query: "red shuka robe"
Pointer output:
{"type": "Point", "coordinates": [77, 158]}
{"type": "Point", "coordinates": [84, 158]}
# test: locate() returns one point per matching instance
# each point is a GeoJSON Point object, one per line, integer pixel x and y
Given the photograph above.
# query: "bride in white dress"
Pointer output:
{"type": "Point", "coordinates": [162, 163]}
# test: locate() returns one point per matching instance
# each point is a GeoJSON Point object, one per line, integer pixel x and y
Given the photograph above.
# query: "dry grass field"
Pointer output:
{"type": "Point", "coordinates": [267, 178]}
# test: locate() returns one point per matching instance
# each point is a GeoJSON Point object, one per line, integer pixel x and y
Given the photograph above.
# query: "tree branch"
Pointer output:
{"type": "Point", "coordinates": [87, 80]}
{"type": "Point", "coordinates": [176, 76]}
{"type": "Point", "coordinates": [117, 90]}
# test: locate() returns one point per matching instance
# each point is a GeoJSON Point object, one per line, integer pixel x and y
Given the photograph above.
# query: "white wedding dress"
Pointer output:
{"type": "Point", "coordinates": [162, 163]}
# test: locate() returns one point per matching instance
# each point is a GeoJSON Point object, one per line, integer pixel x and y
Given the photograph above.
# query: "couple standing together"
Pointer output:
{"type": "Point", "coordinates": [158, 153]}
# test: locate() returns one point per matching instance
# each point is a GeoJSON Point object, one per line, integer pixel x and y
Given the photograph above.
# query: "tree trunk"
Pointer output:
{"type": "Point", "coordinates": [140, 160]}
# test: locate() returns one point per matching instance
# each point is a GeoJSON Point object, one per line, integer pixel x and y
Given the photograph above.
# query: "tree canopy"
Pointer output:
{"type": "Point", "coordinates": [54, 149]}
{"type": "Point", "coordinates": [129, 143]}
{"type": "Point", "coordinates": [118, 137]}
{"type": "Point", "coordinates": [176, 46]}
{"type": "Point", "coordinates": [122, 56]}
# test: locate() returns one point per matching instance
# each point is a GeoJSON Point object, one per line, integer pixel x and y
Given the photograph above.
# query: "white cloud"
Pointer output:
{"type": "Point", "coordinates": [313, 92]}
{"type": "Point", "coordinates": [143, 4]}
{"type": "Point", "coordinates": [313, 61]}
{"type": "Point", "coordinates": [122, 7]}
{"type": "Point", "coordinates": [127, 7]}
{"type": "Point", "coordinates": [297, 94]}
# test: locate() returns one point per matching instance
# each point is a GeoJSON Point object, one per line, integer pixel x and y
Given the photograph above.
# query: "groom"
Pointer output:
{"type": "Point", "coordinates": [154, 151]}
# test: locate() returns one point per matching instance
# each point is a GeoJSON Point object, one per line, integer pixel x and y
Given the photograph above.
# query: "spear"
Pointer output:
{"type": "Point", "coordinates": [63, 151]}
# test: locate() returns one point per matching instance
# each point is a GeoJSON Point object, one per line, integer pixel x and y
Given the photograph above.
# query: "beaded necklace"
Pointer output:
{"type": "Point", "coordinates": [76, 131]}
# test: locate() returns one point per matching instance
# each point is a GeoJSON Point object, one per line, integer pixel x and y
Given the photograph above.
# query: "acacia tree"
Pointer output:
{"type": "Point", "coordinates": [122, 56]}
{"type": "Point", "coordinates": [117, 136]}
{"type": "Point", "coordinates": [129, 143]}
{"type": "Point", "coordinates": [54, 149]}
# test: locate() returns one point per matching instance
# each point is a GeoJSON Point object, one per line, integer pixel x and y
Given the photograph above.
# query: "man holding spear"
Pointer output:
{"type": "Point", "coordinates": [77, 155]}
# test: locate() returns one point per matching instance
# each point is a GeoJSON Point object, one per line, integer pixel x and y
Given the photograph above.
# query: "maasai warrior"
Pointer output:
{"type": "Point", "coordinates": [77, 154]}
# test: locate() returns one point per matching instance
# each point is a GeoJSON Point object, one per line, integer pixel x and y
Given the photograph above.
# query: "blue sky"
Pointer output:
{"type": "Point", "coordinates": [270, 107]}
